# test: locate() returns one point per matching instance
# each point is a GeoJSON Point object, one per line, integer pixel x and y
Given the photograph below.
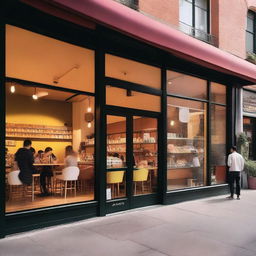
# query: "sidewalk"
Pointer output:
{"type": "Point", "coordinates": [214, 226]}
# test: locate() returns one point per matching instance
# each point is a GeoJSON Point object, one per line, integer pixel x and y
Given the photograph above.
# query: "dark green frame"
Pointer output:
{"type": "Point", "coordinates": [103, 40]}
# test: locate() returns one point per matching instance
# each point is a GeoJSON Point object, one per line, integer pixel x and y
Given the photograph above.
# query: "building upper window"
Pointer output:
{"type": "Point", "coordinates": [194, 18]}
{"type": "Point", "coordinates": [251, 32]}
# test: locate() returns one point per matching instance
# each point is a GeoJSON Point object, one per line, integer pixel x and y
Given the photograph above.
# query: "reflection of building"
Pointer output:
{"type": "Point", "coordinates": [151, 109]}
{"type": "Point", "coordinates": [249, 119]}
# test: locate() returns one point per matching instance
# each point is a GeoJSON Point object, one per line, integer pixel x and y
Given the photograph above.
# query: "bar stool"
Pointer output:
{"type": "Point", "coordinates": [115, 178]}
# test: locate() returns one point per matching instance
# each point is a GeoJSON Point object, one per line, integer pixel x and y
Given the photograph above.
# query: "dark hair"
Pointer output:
{"type": "Point", "coordinates": [234, 148]}
{"type": "Point", "coordinates": [27, 143]}
{"type": "Point", "coordinates": [40, 151]}
{"type": "Point", "coordinates": [69, 150]}
{"type": "Point", "coordinates": [32, 150]}
{"type": "Point", "coordinates": [48, 149]}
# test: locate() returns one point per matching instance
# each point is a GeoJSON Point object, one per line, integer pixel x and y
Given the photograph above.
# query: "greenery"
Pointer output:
{"type": "Point", "coordinates": [251, 57]}
{"type": "Point", "coordinates": [243, 145]}
{"type": "Point", "coordinates": [250, 168]}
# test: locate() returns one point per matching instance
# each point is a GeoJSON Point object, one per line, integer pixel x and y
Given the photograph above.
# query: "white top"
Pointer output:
{"type": "Point", "coordinates": [235, 162]}
{"type": "Point", "coordinates": [70, 160]}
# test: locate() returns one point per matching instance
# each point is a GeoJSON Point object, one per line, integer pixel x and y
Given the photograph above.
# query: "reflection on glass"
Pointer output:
{"type": "Point", "coordinates": [218, 144]}
{"type": "Point", "coordinates": [145, 148]}
{"type": "Point", "coordinates": [249, 130]}
{"type": "Point", "coordinates": [181, 84]}
{"type": "Point", "coordinates": [186, 127]}
{"type": "Point", "coordinates": [116, 157]}
{"type": "Point", "coordinates": [63, 169]}
{"type": "Point", "coordinates": [218, 93]}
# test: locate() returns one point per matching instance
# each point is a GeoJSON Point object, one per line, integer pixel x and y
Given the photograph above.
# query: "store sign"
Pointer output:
{"type": "Point", "coordinates": [249, 102]}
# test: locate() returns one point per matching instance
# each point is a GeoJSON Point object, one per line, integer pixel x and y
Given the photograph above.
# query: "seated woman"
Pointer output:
{"type": "Point", "coordinates": [70, 157]}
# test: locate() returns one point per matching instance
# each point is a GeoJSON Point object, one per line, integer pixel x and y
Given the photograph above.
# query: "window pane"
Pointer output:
{"type": "Point", "coordinates": [200, 19]}
{"type": "Point", "coordinates": [133, 71]}
{"type": "Point", "coordinates": [201, 3]}
{"type": "Point", "coordinates": [249, 42]}
{"type": "Point", "coordinates": [185, 85]}
{"type": "Point", "coordinates": [186, 12]}
{"type": "Point", "coordinates": [250, 23]}
{"type": "Point", "coordinates": [218, 144]}
{"type": "Point", "coordinates": [54, 121]}
{"type": "Point", "coordinates": [218, 93]}
{"type": "Point", "coordinates": [186, 127]}
{"type": "Point", "coordinates": [120, 97]}
{"type": "Point", "coordinates": [145, 154]}
{"type": "Point", "coordinates": [116, 157]}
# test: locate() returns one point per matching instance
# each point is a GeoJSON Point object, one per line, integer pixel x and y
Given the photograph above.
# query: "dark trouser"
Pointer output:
{"type": "Point", "coordinates": [234, 177]}
{"type": "Point", "coordinates": [46, 173]}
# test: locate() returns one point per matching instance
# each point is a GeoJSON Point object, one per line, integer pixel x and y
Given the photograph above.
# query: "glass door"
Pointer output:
{"type": "Point", "coordinates": [131, 161]}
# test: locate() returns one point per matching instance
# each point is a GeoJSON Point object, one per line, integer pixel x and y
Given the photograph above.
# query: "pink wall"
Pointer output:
{"type": "Point", "coordinates": [228, 20]}
{"type": "Point", "coordinates": [166, 10]}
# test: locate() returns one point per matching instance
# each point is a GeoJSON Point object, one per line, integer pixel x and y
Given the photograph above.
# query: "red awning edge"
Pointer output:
{"type": "Point", "coordinates": [139, 26]}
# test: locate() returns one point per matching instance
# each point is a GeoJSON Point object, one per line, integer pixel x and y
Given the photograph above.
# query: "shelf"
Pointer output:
{"type": "Point", "coordinates": [135, 143]}
{"type": "Point", "coordinates": [185, 138]}
{"type": "Point", "coordinates": [179, 167]}
{"type": "Point", "coordinates": [36, 138]}
{"type": "Point", "coordinates": [185, 153]}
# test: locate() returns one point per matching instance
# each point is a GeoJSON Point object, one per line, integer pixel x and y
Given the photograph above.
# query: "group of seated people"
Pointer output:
{"type": "Point", "coordinates": [26, 158]}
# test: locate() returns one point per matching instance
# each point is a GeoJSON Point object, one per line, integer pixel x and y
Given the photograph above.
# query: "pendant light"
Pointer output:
{"type": "Point", "coordinates": [34, 96]}
{"type": "Point", "coordinates": [12, 89]}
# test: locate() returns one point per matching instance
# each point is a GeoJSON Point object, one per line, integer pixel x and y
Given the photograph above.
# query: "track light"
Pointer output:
{"type": "Point", "coordinates": [34, 96]}
{"type": "Point", "coordinates": [12, 89]}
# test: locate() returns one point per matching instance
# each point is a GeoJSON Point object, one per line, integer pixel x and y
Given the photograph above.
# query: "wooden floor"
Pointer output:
{"type": "Point", "coordinates": [20, 204]}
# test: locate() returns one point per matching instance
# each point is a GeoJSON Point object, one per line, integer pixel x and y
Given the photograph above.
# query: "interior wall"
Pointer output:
{"type": "Point", "coordinates": [133, 71]}
{"type": "Point", "coordinates": [24, 110]}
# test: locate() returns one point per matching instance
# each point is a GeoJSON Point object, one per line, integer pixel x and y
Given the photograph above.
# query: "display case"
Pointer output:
{"type": "Point", "coordinates": [34, 131]}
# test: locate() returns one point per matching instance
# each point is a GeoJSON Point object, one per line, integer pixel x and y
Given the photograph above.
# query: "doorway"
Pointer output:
{"type": "Point", "coordinates": [131, 160]}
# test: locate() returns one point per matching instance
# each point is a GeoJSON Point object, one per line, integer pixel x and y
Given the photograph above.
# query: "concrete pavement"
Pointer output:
{"type": "Point", "coordinates": [209, 227]}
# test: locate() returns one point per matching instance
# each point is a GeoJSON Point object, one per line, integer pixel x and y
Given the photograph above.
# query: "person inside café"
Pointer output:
{"type": "Point", "coordinates": [25, 160]}
{"type": "Point", "coordinates": [39, 157]}
{"type": "Point", "coordinates": [70, 157]}
{"type": "Point", "coordinates": [47, 173]}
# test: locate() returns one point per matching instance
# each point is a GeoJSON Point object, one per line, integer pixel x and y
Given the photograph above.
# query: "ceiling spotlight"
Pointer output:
{"type": "Point", "coordinates": [172, 123]}
{"type": "Point", "coordinates": [34, 96]}
{"type": "Point", "coordinates": [89, 125]}
{"type": "Point", "coordinates": [12, 89]}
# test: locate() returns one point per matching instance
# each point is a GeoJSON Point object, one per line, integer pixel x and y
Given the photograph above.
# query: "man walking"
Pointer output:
{"type": "Point", "coordinates": [236, 165]}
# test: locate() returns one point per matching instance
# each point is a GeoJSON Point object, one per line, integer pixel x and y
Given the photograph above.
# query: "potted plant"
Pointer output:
{"type": "Point", "coordinates": [251, 57]}
{"type": "Point", "coordinates": [250, 169]}
{"type": "Point", "coordinates": [243, 149]}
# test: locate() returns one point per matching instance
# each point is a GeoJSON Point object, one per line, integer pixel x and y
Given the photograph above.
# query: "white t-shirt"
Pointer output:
{"type": "Point", "coordinates": [235, 162]}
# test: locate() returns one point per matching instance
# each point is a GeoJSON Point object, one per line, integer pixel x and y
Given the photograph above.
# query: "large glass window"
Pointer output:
{"type": "Point", "coordinates": [218, 93]}
{"type": "Point", "coordinates": [249, 125]}
{"type": "Point", "coordinates": [189, 86]}
{"type": "Point", "coordinates": [251, 32]}
{"type": "Point", "coordinates": [194, 17]}
{"type": "Point", "coordinates": [186, 127]}
{"type": "Point", "coordinates": [218, 144]}
{"type": "Point", "coordinates": [49, 132]}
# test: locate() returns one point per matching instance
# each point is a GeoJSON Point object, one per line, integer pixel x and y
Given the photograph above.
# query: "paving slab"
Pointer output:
{"type": "Point", "coordinates": [213, 227]}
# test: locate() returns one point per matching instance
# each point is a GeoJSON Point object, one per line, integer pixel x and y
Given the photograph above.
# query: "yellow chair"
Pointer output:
{"type": "Point", "coordinates": [115, 178]}
{"type": "Point", "coordinates": [140, 175]}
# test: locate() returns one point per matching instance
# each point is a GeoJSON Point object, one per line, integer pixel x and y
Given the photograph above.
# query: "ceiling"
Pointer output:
{"type": "Point", "coordinates": [34, 57]}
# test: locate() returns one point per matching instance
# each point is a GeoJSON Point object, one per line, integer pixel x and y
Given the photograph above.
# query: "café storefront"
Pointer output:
{"type": "Point", "coordinates": [151, 124]}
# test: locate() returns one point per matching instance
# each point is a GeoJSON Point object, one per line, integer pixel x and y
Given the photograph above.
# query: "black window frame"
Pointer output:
{"type": "Point", "coordinates": [194, 5]}
{"type": "Point", "coordinates": [254, 30]}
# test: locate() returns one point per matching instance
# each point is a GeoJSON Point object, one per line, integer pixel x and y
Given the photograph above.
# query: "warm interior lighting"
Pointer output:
{"type": "Point", "coordinates": [34, 96]}
{"type": "Point", "coordinates": [12, 89]}
{"type": "Point", "coordinates": [172, 123]}
{"type": "Point", "coordinates": [89, 125]}
{"type": "Point", "coordinates": [89, 109]}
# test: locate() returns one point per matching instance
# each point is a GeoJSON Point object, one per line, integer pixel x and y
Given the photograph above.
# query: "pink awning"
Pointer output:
{"type": "Point", "coordinates": [139, 26]}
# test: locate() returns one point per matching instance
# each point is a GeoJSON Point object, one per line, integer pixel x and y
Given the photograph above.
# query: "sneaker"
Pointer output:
{"type": "Point", "coordinates": [230, 197]}
{"type": "Point", "coordinates": [238, 198]}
